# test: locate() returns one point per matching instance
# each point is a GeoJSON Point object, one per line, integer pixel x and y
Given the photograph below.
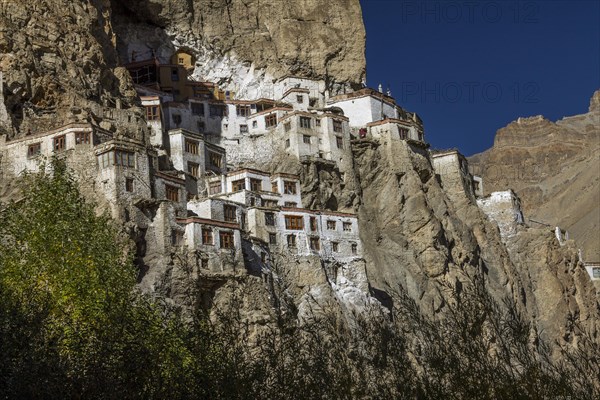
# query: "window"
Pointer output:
{"type": "Point", "coordinates": [216, 110]}
{"type": "Point", "coordinates": [215, 159]}
{"type": "Point", "coordinates": [176, 238]}
{"type": "Point", "coordinates": [305, 122]}
{"type": "Point", "coordinates": [207, 236]}
{"type": "Point", "coordinates": [204, 263]}
{"type": "Point", "coordinates": [291, 241]}
{"type": "Point", "coordinates": [306, 139]}
{"type": "Point", "coordinates": [294, 222]}
{"type": "Point", "coordinates": [106, 159]}
{"type": "Point", "coordinates": [291, 204]}
{"type": "Point", "coordinates": [243, 129]}
{"type": "Point", "coordinates": [176, 119]}
{"type": "Point", "coordinates": [200, 125]}
{"type": "Point", "coordinates": [317, 122]}
{"type": "Point", "coordinates": [331, 225]}
{"type": "Point", "coordinates": [82, 138]}
{"type": "Point", "coordinates": [191, 146]}
{"type": "Point", "coordinates": [172, 193]}
{"type": "Point", "coordinates": [226, 239]}
{"type": "Point", "coordinates": [289, 187]}
{"type": "Point", "coordinates": [313, 224]}
{"type": "Point", "coordinates": [255, 124]}
{"type": "Point", "coordinates": [335, 247]}
{"type": "Point", "coordinates": [174, 74]}
{"type": "Point", "coordinates": [287, 126]}
{"type": "Point", "coordinates": [214, 187]}
{"type": "Point", "coordinates": [300, 99]}
{"type": "Point", "coordinates": [354, 248]}
{"type": "Point", "coordinates": [197, 109]}
{"type": "Point", "coordinates": [239, 185]}
{"type": "Point", "coordinates": [269, 219]}
{"type": "Point", "coordinates": [129, 184]}
{"type": "Point", "coordinates": [270, 203]}
{"type": "Point", "coordinates": [152, 113]}
{"type": "Point", "coordinates": [596, 272]}
{"type": "Point", "coordinates": [34, 149]}
{"type": "Point", "coordinates": [403, 132]}
{"type": "Point", "coordinates": [124, 158]}
{"type": "Point", "coordinates": [180, 60]}
{"type": "Point", "coordinates": [229, 213]}
{"type": "Point", "coordinates": [242, 110]}
{"type": "Point", "coordinates": [274, 187]}
{"type": "Point", "coordinates": [315, 244]}
{"type": "Point", "coordinates": [255, 185]}
{"type": "Point", "coordinates": [270, 120]}
{"type": "Point", "coordinates": [421, 136]}
{"type": "Point", "coordinates": [339, 142]}
{"type": "Point", "coordinates": [347, 226]}
{"type": "Point", "coordinates": [59, 143]}
{"type": "Point", "coordinates": [287, 143]}
{"type": "Point", "coordinates": [272, 238]}
{"type": "Point", "coordinates": [193, 168]}
{"type": "Point", "coordinates": [337, 125]}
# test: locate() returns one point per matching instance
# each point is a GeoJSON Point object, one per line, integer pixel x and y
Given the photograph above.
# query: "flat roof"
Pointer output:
{"type": "Point", "coordinates": [206, 221]}
{"type": "Point", "coordinates": [318, 212]}
{"type": "Point", "coordinates": [248, 170]}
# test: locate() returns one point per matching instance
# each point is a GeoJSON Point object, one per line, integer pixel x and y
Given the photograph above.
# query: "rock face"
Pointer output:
{"type": "Point", "coordinates": [244, 45]}
{"type": "Point", "coordinates": [554, 169]}
{"type": "Point", "coordinates": [56, 55]}
{"type": "Point", "coordinates": [61, 60]}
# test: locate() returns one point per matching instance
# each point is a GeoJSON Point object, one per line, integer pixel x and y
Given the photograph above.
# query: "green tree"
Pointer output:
{"type": "Point", "coordinates": [71, 321]}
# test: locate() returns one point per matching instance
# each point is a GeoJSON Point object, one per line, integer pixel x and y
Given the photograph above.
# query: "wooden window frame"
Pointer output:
{"type": "Point", "coordinates": [291, 241]}
{"type": "Point", "coordinates": [152, 113]}
{"type": "Point", "coordinates": [305, 122]}
{"type": "Point", "coordinates": [192, 146]}
{"type": "Point", "coordinates": [34, 149]}
{"type": "Point", "coordinates": [255, 185]}
{"type": "Point", "coordinates": [294, 222]}
{"type": "Point", "coordinates": [335, 247]}
{"type": "Point", "coordinates": [313, 223]}
{"type": "Point", "coordinates": [347, 225]}
{"type": "Point", "coordinates": [339, 142]}
{"type": "Point", "coordinates": [270, 219]}
{"type": "Point", "coordinates": [229, 213]}
{"type": "Point", "coordinates": [238, 185]}
{"type": "Point", "coordinates": [193, 169]}
{"type": "Point", "coordinates": [215, 159]}
{"type": "Point", "coordinates": [59, 143]}
{"type": "Point", "coordinates": [337, 126]}
{"type": "Point", "coordinates": [207, 237]}
{"type": "Point", "coordinates": [212, 186]}
{"type": "Point", "coordinates": [270, 120]}
{"type": "Point", "coordinates": [82, 138]}
{"type": "Point", "coordinates": [172, 193]}
{"type": "Point", "coordinates": [243, 110]}
{"type": "Point", "coordinates": [226, 240]}
{"type": "Point", "coordinates": [289, 187]}
{"type": "Point", "coordinates": [314, 243]}
{"type": "Point", "coordinates": [331, 225]}
{"type": "Point", "coordinates": [306, 139]}
{"type": "Point", "coordinates": [272, 238]}
{"type": "Point", "coordinates": [129, 185]}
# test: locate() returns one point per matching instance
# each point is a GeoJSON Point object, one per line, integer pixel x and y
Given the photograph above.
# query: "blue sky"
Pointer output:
{"type": "Point", "coordinates": [469, 68]}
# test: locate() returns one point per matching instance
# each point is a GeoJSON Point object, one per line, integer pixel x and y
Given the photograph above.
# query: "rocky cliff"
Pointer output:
{"type": "Point", "coordinates": [553, 166]}
{"type": "Point", "coordinates": [59, 58]}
